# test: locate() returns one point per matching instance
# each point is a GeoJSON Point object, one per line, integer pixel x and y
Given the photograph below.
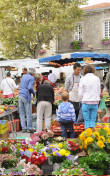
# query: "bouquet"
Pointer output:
{"type": "Point", "coordinates": [74, 148]}
{"type": "Point", "coordinates": [42, 136]}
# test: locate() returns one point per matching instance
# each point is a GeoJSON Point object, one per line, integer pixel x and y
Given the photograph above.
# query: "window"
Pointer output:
{"type": "Point", "coordinates": [107, 29]}
{"type": "Point", "coordinates": [78, 32]}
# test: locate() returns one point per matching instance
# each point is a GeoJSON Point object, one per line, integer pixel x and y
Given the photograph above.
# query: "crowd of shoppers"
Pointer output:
{"type": "Point", "coordinates": [81, 97]}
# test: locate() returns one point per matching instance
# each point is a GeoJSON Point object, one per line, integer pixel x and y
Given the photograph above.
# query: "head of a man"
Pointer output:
{"type": "Point", "coordinates": [8, 74]}
{"type": "Point", "coordinates": [77, 69]}
{"type": "Point", "coordinates": [24, 70]}
{"type": "Point", "coordinates": [32, 71]}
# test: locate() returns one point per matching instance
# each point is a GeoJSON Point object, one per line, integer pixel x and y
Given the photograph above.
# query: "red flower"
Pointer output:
{"type": "Point", "coordinates": [5, 149]}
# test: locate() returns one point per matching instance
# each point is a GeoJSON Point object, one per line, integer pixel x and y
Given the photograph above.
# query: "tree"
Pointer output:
{"type": "Point", "coordinates": [25, 25]}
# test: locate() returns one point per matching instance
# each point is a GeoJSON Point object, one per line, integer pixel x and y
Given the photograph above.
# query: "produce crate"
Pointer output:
{"type": "Point", "coordinates": [102, 125]}
{"type": "Point", "coordinates": [78, 128]}
{"type": "Point", "coordinates": [17, 125]}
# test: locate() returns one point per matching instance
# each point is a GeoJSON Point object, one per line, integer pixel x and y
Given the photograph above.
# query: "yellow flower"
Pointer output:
{"type": "Point", "coordinates": [30, 150]}
{"type": "Point", "coordinates": [100, 144]}
{"type": "Point", "coordinates": [62, 152]}
{"type": "Point", "coordinates": [96, 134]}
{"type": "Point", "coordinates": [84, 146]}
{"type": "Point", "coordinates": [82, 137]}
{"type": "Point", "coordinates": [88, 132]}
{"type": "Point", "coordinates": [108, 140]}
{"type": "Point", "coordinates": [107, 130]}
{"type": "Point", "coordinates": [67, 153]}
{"type": "Point", "coordinates": [54, 153]}
{"type": "Point", "coordinates": [60, 145]}
{"type": "Point", "coordinates": [89, 140]}
{"type": "Point", "coordinates": [101, 138]}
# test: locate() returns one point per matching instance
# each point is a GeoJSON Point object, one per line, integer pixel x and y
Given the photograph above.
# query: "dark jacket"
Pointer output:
{"type": "Point", "coordinates": [45, 92]}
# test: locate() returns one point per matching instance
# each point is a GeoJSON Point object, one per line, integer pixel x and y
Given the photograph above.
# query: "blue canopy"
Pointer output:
{"type": "Point", "coordinates": [75, 55]}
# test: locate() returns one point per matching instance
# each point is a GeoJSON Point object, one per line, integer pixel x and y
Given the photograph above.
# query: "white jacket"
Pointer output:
{"type": "Point", "coordinates": [89, 88]}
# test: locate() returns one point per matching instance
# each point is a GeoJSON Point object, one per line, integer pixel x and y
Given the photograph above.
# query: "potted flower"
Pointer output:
{"type": "Point", "coordinates": [76, 44]}
{"type": "Point", "coordinates": [106, 41]}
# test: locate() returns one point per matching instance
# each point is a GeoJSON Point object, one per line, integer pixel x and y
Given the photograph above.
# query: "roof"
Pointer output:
{"type": "Point", "coordinates": [76, 56]}
{"type": "Point", "coordinates": [97, 7]}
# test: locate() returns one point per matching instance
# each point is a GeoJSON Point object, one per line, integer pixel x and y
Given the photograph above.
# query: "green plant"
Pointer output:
{"type": "Point", "coordinates": [96, 160]}
{"type": "Point", "coordinates": [106, 39]}
{"type": "Point", "coordinates": [76, 44]}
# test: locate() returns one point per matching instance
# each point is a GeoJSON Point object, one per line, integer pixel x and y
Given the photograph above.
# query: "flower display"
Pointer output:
{"type": "Point", "coordinates": [42, 136]}
{"type": "Point", "coordinates": [73, 147]}
{"type": "Point", "coordinates": [57, 152]}
{"type": "Point", "coordinates": [95, 140]}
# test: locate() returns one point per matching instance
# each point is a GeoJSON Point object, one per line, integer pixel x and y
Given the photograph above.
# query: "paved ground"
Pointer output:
{"type": "Point", "coordinates": [20, 135]}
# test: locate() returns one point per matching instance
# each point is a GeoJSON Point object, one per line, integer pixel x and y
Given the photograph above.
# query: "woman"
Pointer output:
{"type": "Point", "coordinates": [89, 91]}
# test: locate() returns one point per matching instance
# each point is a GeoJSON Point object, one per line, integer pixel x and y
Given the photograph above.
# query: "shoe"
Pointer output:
{"type": "Point", "coordinates": [30, 131]}
{"type": "Point", "coordinates": [24, 131]}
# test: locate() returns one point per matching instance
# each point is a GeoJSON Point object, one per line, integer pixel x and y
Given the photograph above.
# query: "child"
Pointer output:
{"type": "Point", "coordinates": [102, 110]}
{"type": "Point", "coordinates": [66, 115]}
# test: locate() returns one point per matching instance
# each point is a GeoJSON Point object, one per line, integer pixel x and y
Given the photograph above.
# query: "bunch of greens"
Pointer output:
{"type": "Point", "coordinates": [96, 160]}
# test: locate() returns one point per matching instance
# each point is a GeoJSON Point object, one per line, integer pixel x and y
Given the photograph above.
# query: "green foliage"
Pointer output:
{"type": "Point", "coordinates": [76, 45]}
{"type": "Point", "coordinates": [89, 170]}
{"type": "Point", "coordinates": [39, 147]}
{"type": "Point", "coordinates": [67, 168]}
{"type": "Point", "coordinates": [96, 160]}
{"type": "Point", "coordinates": [9, 163]}
{"type": "Point", "coordinates": [25, 25]}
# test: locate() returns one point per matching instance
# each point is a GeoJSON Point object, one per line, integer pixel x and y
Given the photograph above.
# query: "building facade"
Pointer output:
{"type": "Point", "coordinates": [92, 33]}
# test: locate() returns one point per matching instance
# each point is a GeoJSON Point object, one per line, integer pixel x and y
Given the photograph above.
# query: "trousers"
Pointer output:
{"type": "Point", "coordinates": [44, 110]}
{"type": "Point", "coordinates": [89, 113]}
{"type": "Point", "coordinates": [25, 112]}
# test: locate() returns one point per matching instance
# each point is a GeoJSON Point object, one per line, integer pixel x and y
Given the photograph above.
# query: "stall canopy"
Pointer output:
{"type": "Point", "coordinates": [76, 56]}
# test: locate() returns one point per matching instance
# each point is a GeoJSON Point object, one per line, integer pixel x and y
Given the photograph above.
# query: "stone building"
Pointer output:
{"type": "Point", "coordinates": [92, 33]}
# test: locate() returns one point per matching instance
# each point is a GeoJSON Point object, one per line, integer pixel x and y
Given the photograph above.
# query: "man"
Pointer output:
{"type": "Point", "coordinates": [24, 71]}
{"type": "Point", "coordinates": [71, 85]}
{"type": "Point", "coordinates": [52, 77]}
{"type": "Point", "coordinates": [25, 106]}
{"type": "Point", "coordinates": [45, 99]}
{"type": "Point", "coordinates": [8, 86]}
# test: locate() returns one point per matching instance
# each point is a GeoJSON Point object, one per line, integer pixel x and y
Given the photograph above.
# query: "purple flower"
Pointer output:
{"type": "Point", "coordinates": [23, 142]}
{"type": "Point", "coordinates": [53, 149]}
{"type": "Point", "coordinates": [21, 152]}
{"type": "Point", "coordinates": [68, 157]}
{"type": "Point", "coordinates": [58, 154]}
{"type": "Point", "coordinates": [13, 148]}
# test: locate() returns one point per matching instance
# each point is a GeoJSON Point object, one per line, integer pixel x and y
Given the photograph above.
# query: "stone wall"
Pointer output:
{"type": "Point", "coordinates": [92, 34]}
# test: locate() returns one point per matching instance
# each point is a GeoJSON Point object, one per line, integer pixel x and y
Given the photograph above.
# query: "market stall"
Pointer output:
{"type": "Point", "coordinates": [42, 154]}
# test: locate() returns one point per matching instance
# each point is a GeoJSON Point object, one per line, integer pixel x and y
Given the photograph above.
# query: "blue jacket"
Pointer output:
{"type": "Point", "coordinates": [66, 111]}
{"type": "Point", "coordinates": [26, 86]}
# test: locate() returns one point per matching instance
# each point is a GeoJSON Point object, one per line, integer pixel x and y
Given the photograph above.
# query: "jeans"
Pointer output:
{"type": "Point", "coordinates": [67, 125]}
{"type": "Point", "coordinates": [25, 112]}
{"type": "Point", "coordinates": [89, 113]}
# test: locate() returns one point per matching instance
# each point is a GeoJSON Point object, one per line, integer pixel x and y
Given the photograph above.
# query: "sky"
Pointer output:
{"type": "Point", "coordinates": [91, 2]}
